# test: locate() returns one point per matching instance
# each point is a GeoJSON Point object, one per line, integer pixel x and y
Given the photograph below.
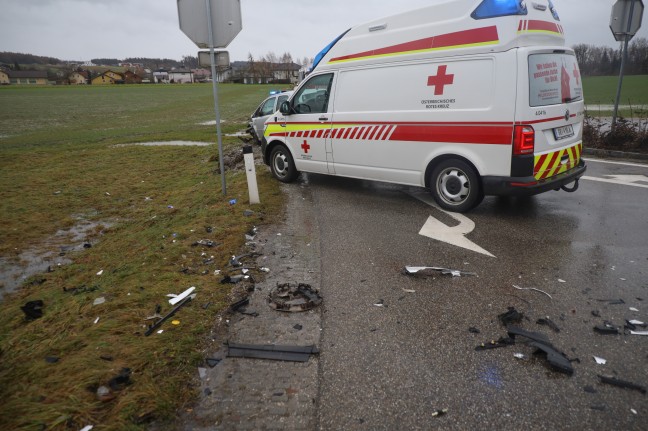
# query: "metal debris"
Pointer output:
{"type": "Point", "coordinates": [273, 351]}
{"type": "Point", "coordinates": [430, 270]}
{"type": "Point", "coordinates": [291, 298]}
{"type": "Point", "coordinates": [169, 315]}
{"type": "Point", "coordinates": [532, 288]}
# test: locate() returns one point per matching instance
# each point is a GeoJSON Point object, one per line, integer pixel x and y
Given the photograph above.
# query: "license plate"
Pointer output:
{"type": "Point", "coordinates": [563, 132]}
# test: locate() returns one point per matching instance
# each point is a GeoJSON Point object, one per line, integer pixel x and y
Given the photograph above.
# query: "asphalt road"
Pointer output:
{"type": "Point", "coordinates": [391, 366]}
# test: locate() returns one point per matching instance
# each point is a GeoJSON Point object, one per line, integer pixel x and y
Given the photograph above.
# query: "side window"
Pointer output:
{"type": "Point", "coordinates": [268, 107]}
{"type": "Point", "coordinates": [313, 97]}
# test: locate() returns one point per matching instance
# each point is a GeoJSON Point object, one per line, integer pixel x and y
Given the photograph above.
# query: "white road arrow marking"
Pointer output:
{"type": "Point", "coordinates": [439, 231]}
{"type": "Point", "coordinates": [625, 180]}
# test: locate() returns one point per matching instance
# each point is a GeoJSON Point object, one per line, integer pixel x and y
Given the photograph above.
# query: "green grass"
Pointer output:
{"type": "Point", "coordinates": [60, 161]}
{"type": "Point", "coordinates": [601, 90]}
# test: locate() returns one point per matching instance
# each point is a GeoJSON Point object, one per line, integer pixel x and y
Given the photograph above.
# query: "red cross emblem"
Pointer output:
{"type": "Point", "coordinates": [576, 75]}
{"type": "Point", "coordinates": [440, 80]}
{"type": "Point", "coordinates": [305, 146]}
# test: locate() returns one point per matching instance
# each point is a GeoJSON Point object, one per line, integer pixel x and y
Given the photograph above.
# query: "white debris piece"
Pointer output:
{"type": "Point", "coordinates": [96, 321]}
{"type": "Point", "coordinates": [519, 355]}
{"type": "Point", "coordinates": [637, 322]}
{"type": "Point", "coordinates": [560, 280]}
{"type": "Point", "coordinates": [633, 309]}
{"type": "Point", "coordinates": [639, 332]}
{"type": "Point", "coordinates": [183, 295]}
{"type": "Point", "coordinates": [99, 301]}
{"type": "Point", "coordinates": [600, 361]}
{"type": "Point", "coordinates": [100, 272]}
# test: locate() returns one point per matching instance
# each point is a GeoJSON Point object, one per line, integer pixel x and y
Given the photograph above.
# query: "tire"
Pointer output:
{"type": "Point", "coordinates": [282, 164]}
{"type": "Point", "coordinates": [455, 186]}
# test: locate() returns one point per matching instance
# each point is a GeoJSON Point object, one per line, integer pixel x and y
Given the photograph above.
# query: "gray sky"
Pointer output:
{"type": "Point", "coordinates": [86, 29]}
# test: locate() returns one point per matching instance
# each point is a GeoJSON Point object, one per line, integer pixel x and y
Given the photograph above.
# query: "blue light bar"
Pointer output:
{"type": "Point", "coordinates": [553, 11]}
{"type": "Point", "coordinates": [325, 51]}
{"type": "Point", "coordinates": [495, 8]}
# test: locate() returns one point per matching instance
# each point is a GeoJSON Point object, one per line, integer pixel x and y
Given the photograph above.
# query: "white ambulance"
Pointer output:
{"type": "Point", "coordinates": [465, 97]}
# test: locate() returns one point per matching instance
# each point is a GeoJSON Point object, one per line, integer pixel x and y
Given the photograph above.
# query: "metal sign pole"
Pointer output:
{"type": "Point", "coordinates": [215, 90]}
{"type": "Point", "coordinates": [623, 62]}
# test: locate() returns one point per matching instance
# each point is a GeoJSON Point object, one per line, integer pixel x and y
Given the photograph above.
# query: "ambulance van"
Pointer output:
{"type": "Point", "coordinates": [464, 97]}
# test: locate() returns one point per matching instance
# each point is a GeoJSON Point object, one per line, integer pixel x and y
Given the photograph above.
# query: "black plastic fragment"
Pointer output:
{"type": "Point", "coordinates": [51, 359]}
{"type": "Point", "coordinates": [212, 362]}
{"type": "Point", "coordinates": [606, 330]}
{"type": "Point", "coordinates": [473, 330]}
{"type": "Point", "coordinates": [612, 301]}
{"type": "Point", "coordinates": [589, 390]}
{"type": "Point", "coordinates": [121, 380]}
{"type": "Point", "coordinates": [511, 316]}
{"type": "Point", "coordinates": [557, 359]}
{"type": "Point", "coordinates": [273, 352]}
{"type": "Point", "coordinates": [548, 322]}
{"type": "Point", "coordinates": [33, 309]}
{"type": "Point", "coordinates": [502, 342]}
{"type": "Point", "coordinates": [622, 383]}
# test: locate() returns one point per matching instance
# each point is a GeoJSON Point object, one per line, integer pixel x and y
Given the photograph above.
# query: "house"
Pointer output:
{"type": "Point", "coordinates": [4, 77]}
{"type": "Point", "coordinates": [28, 77]}
{"type": "Point", "coordinates": [260, 73]}
{"type": "Point", "coordinates": [132, 77]}
{"type": "Point", "coordinates": [79, 77]}
{"type": "Point", "coordinates": [181, 76]}
{"type": "Point", "coordinates": [108, 77]}
{"type": "Point", "coordinates": [161, 76]}
{"type": "Point", "coordinates": [201, 75]}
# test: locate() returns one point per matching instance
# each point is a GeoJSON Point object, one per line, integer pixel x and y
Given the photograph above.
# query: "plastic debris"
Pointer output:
{"type": "Point", "coordinates": [519, 355]}
{"type": "Point", "coordinates": [121, 380]}
{"type": "Point", "coordinates": [273, 351]}
{"type": "Point", "coordinates": [205, 243]}
{"type": "Point", "coordinates": [104, 393]}
{"type": "Point", "coordinates": [639, 332]}
{"type": "Point", "coordinates": [548, 322]}
{"type": "Point", "coordinates": [408, 290]}
{"type": "Point", "coordinates": [169, 315]}
{"type": "Point", "coordinates": [502, 342]}
{"type": "Point", "coordinates": [251, 234]}
{"type": "Point", "coordinates": [561, 281]}
{"type": "Point", "coordinates": [248, 213]}
{"type": "Point", "coordinates": [87, 428]}
{"type": "Point", "coordinates": [99, 301]}
{"type": "Point", "coordinates": [240, 306]}
{"type": "Point", "coordinates": [622, 383]}
{"type": "Point", "coordinates": [202, 372]}
{"type": "Point", "coordinates": [175, 322]}
{"type": "Point", "coordinates": [557, 359]}
{"type": "Point", "coordinates": [264, 269]}
{"type": "Point", "coordinates": [212, 362]}
{"type": "Point", "coordinates": [439, 412]}
{"type": "Point", "coordinates": [532, 288]}
{"type": "Point", "coordinates": [183, 295]}
{"type": "Point", "coordinates": [637, 322]}
{"type": "Point", "coordinates": [52, 359]}
{"type": "Point", "coordinates": [633, 411]}
{"type": "Point", "coordinates": [606, 329]}
{"type": "Point", "coordinates": [511, 316]}
{"type": "Point", "coordinates": [96, 321]}
{"type": "Point", "coordinates": [232, 202]}
{"type": "Point", "coordinates": [600, 361]}
{"type": "Point", "coordinates": [633, 309]}
{"type": "Point", "coordinates": [294, 298]}
{"type": "Point", "coordinates": [380, 303]}
{"type": "Point", "coordinates": [100, 272]}
{"type": "Point", "coordinates": [473, 330]}
{"type": "Point", "coordinates": [33, 309]}
{"type": "Point", "coordinates": [612, 301]}
{"type": "Point", "coordinates": [428, 270]}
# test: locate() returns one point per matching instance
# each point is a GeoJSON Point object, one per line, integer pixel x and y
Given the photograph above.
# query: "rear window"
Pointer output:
{"type": "Point", "coordinates": [554, 79]}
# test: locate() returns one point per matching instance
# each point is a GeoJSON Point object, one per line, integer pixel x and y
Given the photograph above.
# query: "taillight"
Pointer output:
{"type": "Point", "coordinates": [523, 140]}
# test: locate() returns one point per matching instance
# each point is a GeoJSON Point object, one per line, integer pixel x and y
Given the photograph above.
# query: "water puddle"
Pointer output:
{"type": "Point", "coordinates": [52, 253]}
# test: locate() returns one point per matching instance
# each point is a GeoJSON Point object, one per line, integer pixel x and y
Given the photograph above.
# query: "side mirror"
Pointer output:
{"type": "Point", "coordinates": [285, 108]}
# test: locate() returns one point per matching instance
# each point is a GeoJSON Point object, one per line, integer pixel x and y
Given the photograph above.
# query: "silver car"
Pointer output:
{"type": "Point", "coordinates": [268, 107]}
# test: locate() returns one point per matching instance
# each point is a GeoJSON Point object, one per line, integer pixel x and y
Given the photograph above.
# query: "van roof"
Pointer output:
{"type": "Point", "coordinates": [449, 27]}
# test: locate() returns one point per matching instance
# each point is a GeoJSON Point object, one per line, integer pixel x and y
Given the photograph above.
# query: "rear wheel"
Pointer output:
{"type": "Point", "coordinates": [455, 186]}
{"type": "Point", "coordinates": [282, 164]}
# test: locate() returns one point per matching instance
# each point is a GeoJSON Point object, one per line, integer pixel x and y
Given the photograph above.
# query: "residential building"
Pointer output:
{"type": "Point", "coordinates": [4, 77]}
{"type": "Point", "coordinates": [108, 77]}
{"type": "Point", "coordinates": [79, 77]}
{"type": "Point", "coordinates": [181, 76]}
{"type": "Point", "coordinates": [28, 77]}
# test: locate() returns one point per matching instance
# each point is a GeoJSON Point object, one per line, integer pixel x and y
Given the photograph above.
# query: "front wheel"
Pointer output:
{"type": "Point", "coordinates": [282, 164]}
{"type": "Point", "coordinates": [455, 186]}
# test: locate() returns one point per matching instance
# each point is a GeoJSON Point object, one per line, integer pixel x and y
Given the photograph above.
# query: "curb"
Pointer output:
{"type": "Point", "coordinates": [614, 154]}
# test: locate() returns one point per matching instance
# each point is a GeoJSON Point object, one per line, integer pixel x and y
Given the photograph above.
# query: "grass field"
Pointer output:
{"type": "Point", "coordinates": [601, 90]}
{"type": "Point", "coordinates": [62, 162]}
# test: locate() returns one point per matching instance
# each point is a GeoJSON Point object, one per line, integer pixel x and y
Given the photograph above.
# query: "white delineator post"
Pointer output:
{"type": "Point", "coordinates": [250, 172]}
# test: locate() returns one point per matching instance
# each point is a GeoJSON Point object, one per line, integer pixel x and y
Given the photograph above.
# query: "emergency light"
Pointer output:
{"type": "Point", "coordinates": [495, 8]}
{"type": "Point", "coordinates": [325, 51]}
{"type": "Point", "coordinates": [553, 11]}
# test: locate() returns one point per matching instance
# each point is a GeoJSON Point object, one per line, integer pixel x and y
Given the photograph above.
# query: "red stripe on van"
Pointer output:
{"type": "Point", "coordinates": [535, 24]}
{"type": "Point", "coordinates": [497, 135]}
{"type": "Point", "coordinates": [465, 37]}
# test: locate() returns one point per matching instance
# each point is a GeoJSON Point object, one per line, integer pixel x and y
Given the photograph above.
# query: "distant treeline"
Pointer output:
{"type": "Point", "coordinates": [601, 61]}
{"type": "Point", "coordinates": [15, 59]}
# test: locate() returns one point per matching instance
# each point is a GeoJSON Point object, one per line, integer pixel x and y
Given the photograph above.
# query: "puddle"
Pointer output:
{"type": "Point", "coordinates": [167, 144]}
{"type": "Point", "coordinates": [53, 253]}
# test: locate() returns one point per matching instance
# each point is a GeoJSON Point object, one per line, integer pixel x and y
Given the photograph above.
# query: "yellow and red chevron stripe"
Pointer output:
{"type": "Point", "coordinates": [460, 39]}
{"type": "Point", "coordinates": [536, 26]}
{"type": "Point", "coordinates": [557, 162]}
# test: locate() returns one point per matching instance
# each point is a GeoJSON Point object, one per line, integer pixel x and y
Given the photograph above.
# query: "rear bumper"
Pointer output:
{"type": "Point", "coordinates": [527, 186]}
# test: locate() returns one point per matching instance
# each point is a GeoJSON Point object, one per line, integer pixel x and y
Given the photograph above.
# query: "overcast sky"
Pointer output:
{"type": "Point", "coordinates": [86, 29]}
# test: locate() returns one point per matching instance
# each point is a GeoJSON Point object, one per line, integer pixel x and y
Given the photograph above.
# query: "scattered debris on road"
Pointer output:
{"type": "Point", "coordinates": [557, 359]}
{"type": "Point", "coordinates": [273, 352]}
{"type": "Point", "coordinates": [511, 316]}
{"type": "Point", "coordinates": [600, 361]}
{"type": "Point", "coordinates": [291, 298]}
{"type": "Point", "coordinates": [622, 383]}
{"type": "Point", "coordinates": [532, 288]}
{"type": "Point", "coordinates": [606, 329]}
{"type": "Point", "coordinates": [240, 307]}
{"type": "Point", "coordinates": [548, 322]}
{"type": "Point", "coordinates": [426, 271]}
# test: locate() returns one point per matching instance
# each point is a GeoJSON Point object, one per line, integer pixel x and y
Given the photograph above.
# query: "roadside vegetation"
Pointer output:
{"type": "Point", "coordinates": [66, 158]}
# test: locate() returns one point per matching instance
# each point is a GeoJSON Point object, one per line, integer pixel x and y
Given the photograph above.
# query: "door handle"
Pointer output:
{"type": "Point", "coordinates": [323, 118]}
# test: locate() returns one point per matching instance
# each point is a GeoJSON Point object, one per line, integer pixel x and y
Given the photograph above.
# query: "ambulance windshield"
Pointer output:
{"type": "Point", "coordinates": [554, 79]}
